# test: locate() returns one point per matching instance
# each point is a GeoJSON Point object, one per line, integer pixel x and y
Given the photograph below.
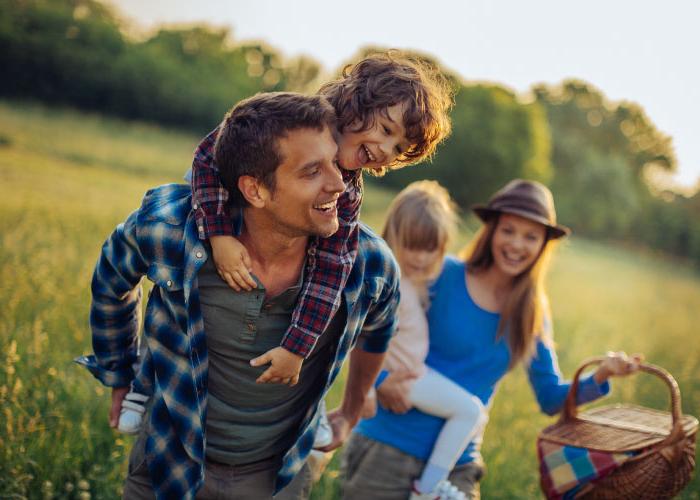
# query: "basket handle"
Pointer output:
{"type": "Point", "coordinates": [570, 410]}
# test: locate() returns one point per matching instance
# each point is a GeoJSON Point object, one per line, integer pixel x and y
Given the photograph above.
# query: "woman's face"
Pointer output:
{"type": "Point", "coordinates": [377, 146]}
{"type": "Point", "coordinates": [516, 244]}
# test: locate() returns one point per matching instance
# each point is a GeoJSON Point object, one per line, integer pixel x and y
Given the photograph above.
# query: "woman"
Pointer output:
{"type": "Point", "coordinates": [488, 312]}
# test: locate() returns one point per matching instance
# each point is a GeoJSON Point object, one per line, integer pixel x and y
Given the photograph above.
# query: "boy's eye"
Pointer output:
{"type": "Point", "coordinates": [387, 131]}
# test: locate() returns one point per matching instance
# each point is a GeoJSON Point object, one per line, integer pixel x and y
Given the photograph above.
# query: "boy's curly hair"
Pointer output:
{"type": "Point", "coordinates": [385, 79]}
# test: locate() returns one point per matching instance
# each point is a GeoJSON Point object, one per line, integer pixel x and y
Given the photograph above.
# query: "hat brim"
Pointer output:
{"type": "Point", "coordinates": [486, 214]}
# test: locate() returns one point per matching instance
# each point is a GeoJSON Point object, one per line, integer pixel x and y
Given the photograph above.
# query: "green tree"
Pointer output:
{"type": "Point", "coordinates": [600, 151]}
{"type": "Point", "coordinates": [495, 138]}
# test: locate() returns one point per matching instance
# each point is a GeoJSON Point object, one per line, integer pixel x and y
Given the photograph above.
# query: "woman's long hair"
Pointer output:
{"type": "Point", "coordinates": [525, 309]}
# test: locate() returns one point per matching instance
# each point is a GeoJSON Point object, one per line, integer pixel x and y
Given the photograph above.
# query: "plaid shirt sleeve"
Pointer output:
{"type": "Point", "coordinates": [328, 267]}
{"type": "Point", "coordinates": [209, 197]}
{"type": "Point", "coordinates": [116, 307]}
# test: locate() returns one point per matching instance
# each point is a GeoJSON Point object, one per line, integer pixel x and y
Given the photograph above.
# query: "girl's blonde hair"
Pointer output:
{"type": "Point", "coordinates": [527, 306]}
{"type": "Point", "coordinates": [421, 217]}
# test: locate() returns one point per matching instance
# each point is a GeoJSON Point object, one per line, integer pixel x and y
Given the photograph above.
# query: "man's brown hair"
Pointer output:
{"type": "Point", "coordinates": [382, 80]}
{"type": "Point", "coordinates": [248, 140]}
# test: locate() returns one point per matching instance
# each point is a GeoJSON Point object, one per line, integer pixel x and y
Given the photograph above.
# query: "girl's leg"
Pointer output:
{"type": "Point", "coordinates": [464, 413]}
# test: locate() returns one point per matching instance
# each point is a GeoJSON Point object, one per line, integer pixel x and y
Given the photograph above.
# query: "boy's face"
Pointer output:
{"type": "Point", "coordinates": [376, 147]}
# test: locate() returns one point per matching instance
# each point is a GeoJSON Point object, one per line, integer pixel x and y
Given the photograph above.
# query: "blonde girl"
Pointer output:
{"type": "Point", "coordinates": [418, 227]}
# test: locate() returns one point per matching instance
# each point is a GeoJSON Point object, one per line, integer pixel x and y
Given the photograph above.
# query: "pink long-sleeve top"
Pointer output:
{"type": "Point", "coordinates": [409, 347]}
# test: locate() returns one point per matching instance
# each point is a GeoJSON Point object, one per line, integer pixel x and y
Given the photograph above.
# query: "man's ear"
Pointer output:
{"type": "Point", "coordinates": [253, 190]}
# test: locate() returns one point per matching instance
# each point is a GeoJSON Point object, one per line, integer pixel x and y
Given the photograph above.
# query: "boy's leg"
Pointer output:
{"type": "Point", "coordinates": [437, 395]}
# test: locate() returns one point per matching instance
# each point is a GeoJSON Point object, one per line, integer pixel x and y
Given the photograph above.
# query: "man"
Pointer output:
{"type": "Point", "coordinates": [277, 155]}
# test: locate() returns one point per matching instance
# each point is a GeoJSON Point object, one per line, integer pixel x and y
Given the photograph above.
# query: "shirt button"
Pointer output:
{"type": "Point", "coordinates": [200, 229]}
{"type": "Point", "coordinates": [194, 206]}
{"type": "Point", "coordinates": [169, 283]}
{"type": "Point", "coordinates": [198, 255]}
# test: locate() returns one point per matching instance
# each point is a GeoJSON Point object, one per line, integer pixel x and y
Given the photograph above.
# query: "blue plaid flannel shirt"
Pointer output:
{"type": "Point", "coordinates": [160, 241]}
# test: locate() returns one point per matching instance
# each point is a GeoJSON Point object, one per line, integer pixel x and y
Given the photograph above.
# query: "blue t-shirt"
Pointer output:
{"type": "Point", "coordinates": [464, 348]}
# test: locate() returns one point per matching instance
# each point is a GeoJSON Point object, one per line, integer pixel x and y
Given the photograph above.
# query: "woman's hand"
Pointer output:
{"type": "Point", "coordinates": [617, 364]}
{"type": "Point", "coordinates": [393, 392]}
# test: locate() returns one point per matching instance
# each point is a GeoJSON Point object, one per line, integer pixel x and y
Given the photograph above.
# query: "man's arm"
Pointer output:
{"type": "Point", "coordinates": [368, 355]}
{"type": "Point", "coordinates": [115, 312]}
{"type": "Point", "coordinates": [364, 368]}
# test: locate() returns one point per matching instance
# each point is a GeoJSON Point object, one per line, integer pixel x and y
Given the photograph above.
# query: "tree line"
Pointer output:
{"type": "Point", "coordinates": [599, 157]}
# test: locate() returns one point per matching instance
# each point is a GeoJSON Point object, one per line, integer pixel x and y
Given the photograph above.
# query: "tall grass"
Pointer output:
{"type": "Point", "coordinates": [67, 179]}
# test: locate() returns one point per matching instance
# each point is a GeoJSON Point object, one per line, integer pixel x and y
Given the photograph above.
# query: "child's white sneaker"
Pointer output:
{"type": "Point", "coordinates": [445, 490]}
{"type": "Point", "coordinates": [131, 415]}
{"type": "Point", "coordinates": [324, 431]}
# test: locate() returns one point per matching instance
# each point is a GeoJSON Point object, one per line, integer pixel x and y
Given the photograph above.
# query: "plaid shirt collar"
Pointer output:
{"type": "Point", "coordinates": [160, 241]}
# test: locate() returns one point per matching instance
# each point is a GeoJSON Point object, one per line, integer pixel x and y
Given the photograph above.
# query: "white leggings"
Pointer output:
{"type": "Point", "coordinates": [437, 395]}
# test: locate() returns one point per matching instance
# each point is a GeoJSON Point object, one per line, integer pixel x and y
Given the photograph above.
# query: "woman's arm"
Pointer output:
{"type": "Point", "coordinates": [551, 389]}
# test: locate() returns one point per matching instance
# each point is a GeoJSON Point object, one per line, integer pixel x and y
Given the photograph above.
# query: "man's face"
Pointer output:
{"type": "Point", "coordinates": [377, 146]}
{"type": "Point", "coordinates": [307, 185]}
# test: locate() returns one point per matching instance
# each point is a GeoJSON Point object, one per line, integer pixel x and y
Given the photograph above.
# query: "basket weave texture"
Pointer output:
{"type": "Point", "coordinates": [664, 443]}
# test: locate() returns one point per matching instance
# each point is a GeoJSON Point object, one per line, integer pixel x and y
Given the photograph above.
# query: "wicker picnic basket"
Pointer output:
{"type": "Point", "coordinates": [662, 444]}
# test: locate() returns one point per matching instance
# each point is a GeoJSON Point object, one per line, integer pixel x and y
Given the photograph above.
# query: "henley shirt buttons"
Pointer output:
{"type": "Point", "coordinates": [198, 255]}
{"type": "Point", "coordinates": [194, 206]}
{"type": "Point", "coordinates": [169, 283]}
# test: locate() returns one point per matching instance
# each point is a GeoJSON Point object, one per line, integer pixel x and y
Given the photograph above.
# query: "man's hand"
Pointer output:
{"type": "Point", "coordinates": [393, 393]}
{"type": "Point", "coordinates": [341, 424]}
{"type": "Point", "coordinates": [232, 262]}
{"type": "Point", "coordinates": [118, 394]}
{"type": "Point", "coordinates": [284, 369]}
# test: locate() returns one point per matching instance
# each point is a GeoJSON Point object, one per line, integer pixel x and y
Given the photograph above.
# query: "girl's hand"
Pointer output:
{"type": "Point", "coordinates": [393, 392]}
{"type": "Point", "coordinates": [617, 364]}
{"type": "Point", "coordinates": [232, 262]}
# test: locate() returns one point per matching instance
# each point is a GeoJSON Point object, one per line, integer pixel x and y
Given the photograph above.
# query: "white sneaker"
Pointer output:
{"type": "Point", "coordinates": [324, 431]}
{"type": "Point", "coordinates": [445, 490]}
{"type": "Point", "coordinates": [131, 415]}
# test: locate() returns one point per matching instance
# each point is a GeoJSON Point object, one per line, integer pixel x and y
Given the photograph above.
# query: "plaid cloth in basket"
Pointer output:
{"type": "Point", "coordinates": [564, 470]}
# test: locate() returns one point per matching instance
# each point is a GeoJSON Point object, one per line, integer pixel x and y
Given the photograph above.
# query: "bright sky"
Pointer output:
{"type": "Point", "coordinates": [640, 50]}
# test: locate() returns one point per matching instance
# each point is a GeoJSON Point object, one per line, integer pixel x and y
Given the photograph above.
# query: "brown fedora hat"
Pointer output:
{"type": "Point", "coordinates": [528, 199]}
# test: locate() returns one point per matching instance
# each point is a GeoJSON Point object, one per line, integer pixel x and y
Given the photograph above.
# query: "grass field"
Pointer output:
{"type": "Point", "coordinates": [66, 179]}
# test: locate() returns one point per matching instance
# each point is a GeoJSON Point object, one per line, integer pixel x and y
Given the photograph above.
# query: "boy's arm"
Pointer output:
{"type": "Point", "coordinates": [209, 198]}
{"type": "Point", "coordinates": [328, 267]}
{"type": "Point", "coordinates": [215, 221]}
